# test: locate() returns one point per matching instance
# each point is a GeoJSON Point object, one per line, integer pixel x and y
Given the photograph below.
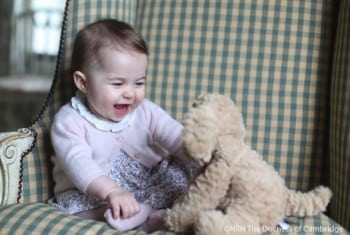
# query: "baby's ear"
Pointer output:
{"type": "Point", "coordinates": [80, 81]}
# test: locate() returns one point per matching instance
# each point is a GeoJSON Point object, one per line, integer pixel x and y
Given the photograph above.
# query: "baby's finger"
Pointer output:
{"type": "Point", "coordinates": [116, 212]}
{"type": "Point", "coordinates": [135, 207]}
{"type": "Point", "coordinates": [126, 211]}
{"type": "Point", "coordinates": [129, 210]}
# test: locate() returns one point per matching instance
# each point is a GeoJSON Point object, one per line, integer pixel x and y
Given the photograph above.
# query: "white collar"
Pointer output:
{"type": "Point", "coordinates": [104, 125]}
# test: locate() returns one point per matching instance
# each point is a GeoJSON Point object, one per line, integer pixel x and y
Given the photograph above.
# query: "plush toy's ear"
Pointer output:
{"type": "Point", "coordinates": [199, 133]}
{"type": "Point", "coordinates": [233, 119]}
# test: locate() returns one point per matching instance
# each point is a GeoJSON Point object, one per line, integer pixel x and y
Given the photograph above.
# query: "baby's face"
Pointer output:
{"type": "Point", "coordinates": [115, 83]}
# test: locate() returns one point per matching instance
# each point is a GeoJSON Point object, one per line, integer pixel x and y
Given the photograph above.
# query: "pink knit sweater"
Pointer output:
{"type": "Point", "coordinates": [84, 150]}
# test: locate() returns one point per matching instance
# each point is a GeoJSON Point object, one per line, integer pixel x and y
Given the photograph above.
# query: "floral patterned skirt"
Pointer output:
{"type": "Point", "coordinates": [158, 186]}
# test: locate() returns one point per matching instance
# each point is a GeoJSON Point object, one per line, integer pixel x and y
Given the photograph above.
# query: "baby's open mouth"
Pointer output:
{"type": "Point", "coordinates": [121, 109]}
{"type": "Point", "coordinates": [121, 106]}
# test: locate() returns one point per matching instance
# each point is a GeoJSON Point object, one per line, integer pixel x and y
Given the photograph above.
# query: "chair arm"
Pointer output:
{"type": "Point", "coordinates": [13, 147]}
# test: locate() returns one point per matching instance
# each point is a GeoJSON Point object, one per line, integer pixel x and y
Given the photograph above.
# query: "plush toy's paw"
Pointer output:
{"type": "Point", "coordinates": [170, 220]}
{"type": "Point", "coordinates": [173, 220]}
{"type": "Point", "coordinates": [210, 222]}
{"type": "Point", "coordinates": [178, 221]}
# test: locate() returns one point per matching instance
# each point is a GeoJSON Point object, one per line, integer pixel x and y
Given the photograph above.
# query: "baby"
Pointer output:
{"type": "Point", "coordinates": [106, 163]}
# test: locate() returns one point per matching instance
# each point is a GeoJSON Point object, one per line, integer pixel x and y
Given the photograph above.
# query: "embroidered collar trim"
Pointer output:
{"type": "Point", "coordinates": [78, 104]}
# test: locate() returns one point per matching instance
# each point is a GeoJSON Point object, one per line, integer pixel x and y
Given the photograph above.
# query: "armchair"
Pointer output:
{"type": "Point", "coordinates": [285, 63]}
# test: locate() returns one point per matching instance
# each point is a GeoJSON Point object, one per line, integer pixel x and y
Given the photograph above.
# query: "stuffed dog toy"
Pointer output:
{"type": "Point", "coordinates": [235, 188]}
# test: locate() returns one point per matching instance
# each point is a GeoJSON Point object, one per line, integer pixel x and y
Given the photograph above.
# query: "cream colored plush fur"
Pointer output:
{"type": "Point", "coordinates": [236, 191]}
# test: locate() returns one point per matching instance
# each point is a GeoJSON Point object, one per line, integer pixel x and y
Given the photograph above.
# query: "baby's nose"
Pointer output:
{"type": "Point", "coordinates": [128, 92]}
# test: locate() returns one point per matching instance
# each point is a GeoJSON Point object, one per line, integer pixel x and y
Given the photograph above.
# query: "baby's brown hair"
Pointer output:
{"type": "Point", "coordinates": [104, 33]}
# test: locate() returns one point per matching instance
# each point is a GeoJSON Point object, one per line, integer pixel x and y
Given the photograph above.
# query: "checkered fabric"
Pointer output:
{"type": "Point", "coordinates": [340, 120]}
{"type": "Point", "coordinates": [38, 218]}
{"type": "Point", "coordinates": [274, 58]}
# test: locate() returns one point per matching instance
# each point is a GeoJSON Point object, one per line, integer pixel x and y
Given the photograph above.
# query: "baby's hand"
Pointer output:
{"type": "Point", "coordinates": [122, 203]}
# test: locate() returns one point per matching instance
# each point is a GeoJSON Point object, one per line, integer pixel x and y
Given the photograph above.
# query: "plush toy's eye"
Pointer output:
{"type": "Point", "coordinates": [199, 101]}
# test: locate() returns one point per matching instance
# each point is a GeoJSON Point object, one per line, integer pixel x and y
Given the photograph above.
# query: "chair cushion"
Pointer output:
{"type": "Point", "coordinates": [39, 218]}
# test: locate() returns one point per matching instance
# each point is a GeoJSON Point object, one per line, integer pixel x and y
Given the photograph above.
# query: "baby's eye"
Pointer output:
{"type": "Point", "coordinates": [118, 84]}
{"type": "Point", "coordinates": [140, 82]}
